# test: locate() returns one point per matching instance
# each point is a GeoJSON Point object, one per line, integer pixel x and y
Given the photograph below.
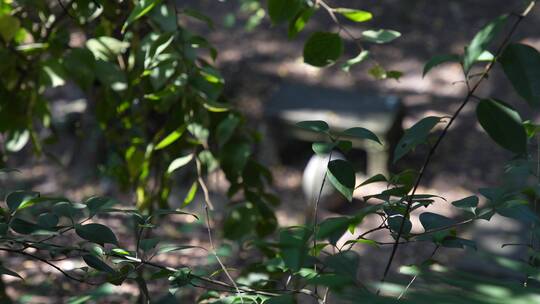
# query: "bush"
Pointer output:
{"type": "Point", "coordinates": [157, 98]}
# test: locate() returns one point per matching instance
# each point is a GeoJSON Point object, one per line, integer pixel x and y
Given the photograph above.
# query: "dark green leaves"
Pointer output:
{"type": "Point", "coordinates": [341, 175]}
{"type": "Point", "coordinates": [283, 10]}
{"type": "Point", "coordinates": [380, 36]}
{"type": "Point", "coordinates": [431, 221]}
{"type": "Point", "coordinates": [293, 244]}
{"type": "Point", "coordinates": [503, 124]}
{"type": "Point", "coordinates": [333, 228]}
{"type": "Point", "coordinates": [314, 125]}
{"type": "Point", "coordinates": [322, 49]}
{"type": "Point", "coordinates": [466, 203]}
{"type": "Point", "coordinates": [521, 64]}
{"type": "Point", "coordinates": [437, 60]}
{"type": "Point", "coordinates": [414, 136]}
{"type": "Point", "coordinates": [96, 233]}
{"type": "Point", "coordinates": [481, 41]}
{"type": "Point", "coordinates": [96, 204]}
{"type": "Point", "coordinates": [361, 133]}
{"type": "Point", "coordinates": [97, 263]}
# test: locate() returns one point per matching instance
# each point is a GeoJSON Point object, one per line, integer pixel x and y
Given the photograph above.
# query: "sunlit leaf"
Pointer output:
{"type": "Point", "coordinates": [141, 8]}
{"type": "Point", "coordinates": [354, 14]}
{"type": "Point", "coordinates": [481, 41]}
{"type": "Point", "coordinates": [380, 36]}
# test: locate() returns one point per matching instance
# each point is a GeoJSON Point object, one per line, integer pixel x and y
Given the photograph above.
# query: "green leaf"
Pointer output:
{"type": "Point", "coordinates": [333, 228]}
{"type": "Point", "coordinates": [521, 64]}
{"type": "Point", "coordinates": [294, 249]}
{"type": "Point", "coordinates": [97, 203]}
{"type": "Point", "coordinates": [171, 247]}
{"type": "Point", "coordinates": [455, 242]}
{"type": "Point", "coordinates": [481, 41]}
{"type": "Point", "coordinates": [17, 140]}
{"type": "Point", "coordinates": [149, 244]}
{"type": "Point", "coordinates": [345, 263]}
{"type": "Point", "coordinates": [354, 61]}
{"type": "Point", "coordinates": [190, 195]}
{"type": "Point", "coordinates": [371, 243]}
{"type": "Point", "coordinates": [23, 227]}
{"type": "Point", "coordinates": [394, 222]}
{"type": "Point", "coordinates": [79, 64]}
{"type": "Point", "coordinates": [314, 125]}
{"type": "Point", "coordinates": [466, 203]}
{"type": "Point", "coordinates": [341, 175]}
{"type": "Point", "coordinates": [323, 49]}
{"type": "Point", "coordinates": [437, 60]}
{"type": "Point", "coordinates": [374, 179]}
{"type": "Point", "coordinates": [97, 263]}
{"type": "Point", "coordinates": [380, 36]}
{"type": "Point", "coordinates": [106, 48]}
{"type": "Point", "coordinates": [48, 220]}
{"type": "Point", "coordinates": [414, 136]}
{"type": "Point", "coordinates": [240, 221]}
{"type": "Point", "coordinates": [332, 280]}
{"type": "Point", "coordinates": [110, 75]}
{"type": "Point", "coordinates": [9, 26]}
{"type": "Point", "coordinates": [226, 128]}
{"type": "Point", "coordinates": [297, 24]}
{"type": "Point", "coordinates": [9, 272]}
{"type": "Point", "coordinates": [179, 163]}
{"type": "Point", "coordinates": [322, 147]}
{"type": "Point", "coordinates": [200, 16]}
{"type": "Point", "coordinates": [361, 133]}
{"type": "Point", "coordinates": [96, 233]}
{"type": "Point", "coordinates": [503, 124]}
{"type": "Point", "coordinates": [234, 157]}
{"type": "Point", "coordinates": [431, 221]}
{"type": "Point", "coordinates": [171, 138]}
{"type": "Point", "coordinates": [283, 10]}
{"type": "Point", "coordinates": [53, 73]}
{"type": "Point", "coordinates": [285, 299]}
{"type": "Point", "coordinates": [354, 15]}
{"type": "Point", "coordinates": [20, 199]}
{"type": "Point", "coordinates": [378, 72]}
{"type": "Point", "coordinates": [199, 131]}
{"type": "Point", "coordinates": [141, 8]}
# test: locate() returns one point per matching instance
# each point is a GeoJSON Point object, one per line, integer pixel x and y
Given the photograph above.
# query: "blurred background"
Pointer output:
{"type": "Point", "coordinates": [257, 60]}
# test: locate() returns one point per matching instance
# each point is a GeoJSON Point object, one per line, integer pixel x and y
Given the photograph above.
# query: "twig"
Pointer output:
{"type": "Point", "coordinates": [209, 206]}
{"type": "Point", "coordinates": [414, 278]}
{"type": "Point", "coordinates": [35, 257]}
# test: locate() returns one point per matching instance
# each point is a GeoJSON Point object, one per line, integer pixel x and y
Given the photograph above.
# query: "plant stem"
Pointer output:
{"type": "Point", "coordinates": [470, 94]}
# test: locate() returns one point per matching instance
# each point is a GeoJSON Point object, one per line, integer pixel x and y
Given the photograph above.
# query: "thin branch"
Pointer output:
{"type": "Point", "coordinates": [414, 278]}
{"type": "Point", "coordinates": [209, 206]}
{"type": "Point", "coordinates": [35, 257]}
{"type": "Point", "coordinates": [431, 152]}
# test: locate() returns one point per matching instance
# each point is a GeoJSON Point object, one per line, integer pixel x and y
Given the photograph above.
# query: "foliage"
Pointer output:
{"type": "Point", "coordinates": [158, 101]}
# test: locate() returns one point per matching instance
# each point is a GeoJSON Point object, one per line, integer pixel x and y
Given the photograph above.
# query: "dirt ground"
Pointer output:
{"type": "Point", "coordinates": [255, 63]}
